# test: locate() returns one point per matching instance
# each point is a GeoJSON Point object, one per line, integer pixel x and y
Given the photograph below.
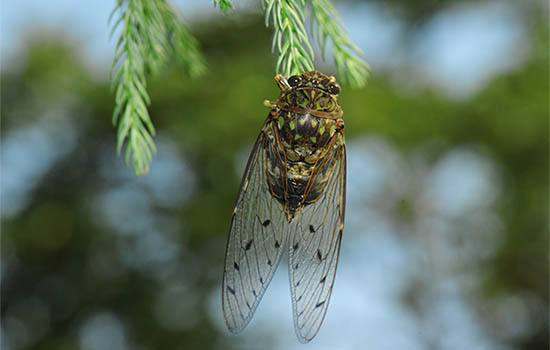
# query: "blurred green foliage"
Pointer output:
{"type": "Point", "coordinates": [51, 248]}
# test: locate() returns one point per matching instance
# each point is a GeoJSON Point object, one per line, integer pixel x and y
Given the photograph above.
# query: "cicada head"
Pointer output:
{"type": "Point", "coordinates": [310, 92]}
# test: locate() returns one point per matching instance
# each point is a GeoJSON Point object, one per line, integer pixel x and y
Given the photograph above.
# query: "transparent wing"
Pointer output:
{"type": "Point", "coordinates": [314, 250]}
{"type": "Point", "coordinates": [256, 239]}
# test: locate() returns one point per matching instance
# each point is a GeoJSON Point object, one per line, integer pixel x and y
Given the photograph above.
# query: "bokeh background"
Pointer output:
{"type": "Point", "coordinates": [446, 239]}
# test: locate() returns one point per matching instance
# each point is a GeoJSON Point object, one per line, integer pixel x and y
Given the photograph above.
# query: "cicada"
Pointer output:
{"type": "Point", "coordinates": [292, 197]}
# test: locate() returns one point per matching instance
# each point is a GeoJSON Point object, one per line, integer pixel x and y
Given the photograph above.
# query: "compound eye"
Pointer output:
{"type": "Point", "coordinates": [334, 89]}
{"type": "Point", "coordinates": [294, 80]}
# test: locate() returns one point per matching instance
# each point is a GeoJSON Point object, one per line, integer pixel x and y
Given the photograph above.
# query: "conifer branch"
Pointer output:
{"type": "Point", "coordinates": [290, 38]}
{"type": "Point", "coordinates": [351, 67]}
{"type": "Point", "coordinates": [149, 33]}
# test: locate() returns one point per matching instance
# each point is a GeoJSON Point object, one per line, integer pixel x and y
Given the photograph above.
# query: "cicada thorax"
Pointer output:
{"type": "Point", "coordinates": [301, 157]}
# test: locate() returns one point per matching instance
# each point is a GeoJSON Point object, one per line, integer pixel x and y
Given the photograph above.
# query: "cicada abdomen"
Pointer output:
{"type": "Point", "coordinates": [292, 197]}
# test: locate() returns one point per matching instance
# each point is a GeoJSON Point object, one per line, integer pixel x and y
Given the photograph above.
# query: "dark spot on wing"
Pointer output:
{"type": "Point", "coordinates": [261, 280]}
{"type": "Point", "coordinates": [323, 279]}
{"type": "Point", "coordinates": [269, 262]}
{"type": "Point", "coordinates": [248, 245]}
{"type": "Point", "coordinates": [311, 229]}
{"type": "Point", "coordinates": [277, 244]}
{"type": "Point", "coordinates": [236, 266]}
{"type": "Point", "coordinates": [254, 292]}
{"type": "Point", "coordinates": [266, 223]}
{"type": "Point", "coordinates": [298, 283]}
{"type": "Point", "coordinates": [231, 290]}
{"type": "Point", "coordinates": [296, 267]}
{"type": "Point", "coordinates": [320, 304]}
{"type": "Point", "coordinates": [295, 246]}
{"type": "Point", "coordinates": [247, 304]}
{"type": "Point", "coordinates": [300, 297]}
{"type": "Point", "coordinates": [319, 255]}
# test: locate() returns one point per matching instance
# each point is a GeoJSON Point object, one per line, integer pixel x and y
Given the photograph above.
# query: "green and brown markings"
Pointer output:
{"type": "Point", "coordinates": [292, 197]}
{"type": "Point", "coordinates": [307, 128]}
